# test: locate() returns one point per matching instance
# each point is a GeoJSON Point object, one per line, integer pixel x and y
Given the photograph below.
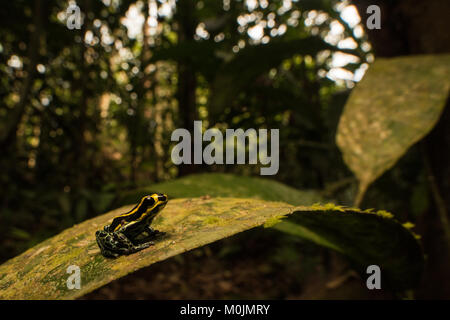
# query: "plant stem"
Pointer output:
{"type": "Point", "coordinates": [362, 188]}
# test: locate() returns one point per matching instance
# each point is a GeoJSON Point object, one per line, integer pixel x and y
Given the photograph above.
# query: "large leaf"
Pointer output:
{"type": "Point", "coordinates": [41, 272]}
{"type": "Point", "coordinates": [366, 238]}
{"type": "Point", "coordinates": [225, 185]}
{"type": "Point", "coordinates": [395, 105]}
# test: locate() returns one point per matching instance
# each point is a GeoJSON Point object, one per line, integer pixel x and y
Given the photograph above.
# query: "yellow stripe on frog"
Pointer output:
{"type": "Point", "coordinates": [155, 198]}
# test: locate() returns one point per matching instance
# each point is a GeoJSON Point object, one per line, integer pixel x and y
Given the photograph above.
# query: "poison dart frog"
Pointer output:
{"type": "Point", "coordinates": [131, 232]}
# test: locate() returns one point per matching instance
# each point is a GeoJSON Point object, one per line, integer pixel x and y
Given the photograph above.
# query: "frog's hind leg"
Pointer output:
{"type": "Point", "coordinates": [108, 253]}
{"type": "Point", "coordinates": [103, 249]}
{"type": "Point", "coordinates": [128, 247]}
{"type": "Point", "coordinates": [140, 247]}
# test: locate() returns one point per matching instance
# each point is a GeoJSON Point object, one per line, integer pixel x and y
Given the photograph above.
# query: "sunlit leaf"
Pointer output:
{"type": "Point", "coordinates": [396, 104]}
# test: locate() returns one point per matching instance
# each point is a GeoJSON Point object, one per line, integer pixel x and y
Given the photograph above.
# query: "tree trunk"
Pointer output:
{"type": "Point", "coordinates": [8, 136]}
{"type": "Point", "coordinates": [410, 27]}
{"type": "Point", "coordinates": [187, 82]}
{"type": "Point", "coordinates": [80, 148]}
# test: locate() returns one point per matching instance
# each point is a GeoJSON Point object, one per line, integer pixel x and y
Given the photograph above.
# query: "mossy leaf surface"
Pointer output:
{"type": "Point", "coordinates": [41, 272]}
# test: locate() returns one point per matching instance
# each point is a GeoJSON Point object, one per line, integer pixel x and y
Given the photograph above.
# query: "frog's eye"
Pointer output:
{"type": "Point", "coordinates": [149, 201]}
{"type": "Point", "coordinates": [162, 197]}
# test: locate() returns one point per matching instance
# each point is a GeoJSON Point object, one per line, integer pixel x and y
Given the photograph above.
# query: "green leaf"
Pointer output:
{"type": "Point", "coordinates": [41, 272]}
{"type": "Point", "coordinates": [225, 185]}
{"type": "Point", "coordinates": [395, 105]}
{"type": "Point", "coordinates": [20, 234]}
{"type": "Point", "coordinates": [366, 238]}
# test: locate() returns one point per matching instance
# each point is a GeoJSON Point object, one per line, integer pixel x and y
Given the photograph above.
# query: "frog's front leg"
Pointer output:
{"type": "Point", "coordinates": [154, 233]}
{"type": "Point", "coordinates": [148, 235]}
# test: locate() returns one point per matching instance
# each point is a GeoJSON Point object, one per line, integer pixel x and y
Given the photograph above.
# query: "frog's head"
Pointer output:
{"type": "Point", "coordinates": [155, 202]}
{"type": "Point", "coordinates": [163, 198]}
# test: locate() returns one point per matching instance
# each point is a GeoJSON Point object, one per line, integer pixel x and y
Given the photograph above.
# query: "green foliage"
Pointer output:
{"type": "Point", "coordinates": [226, 86]}
{"type": "Point", "coordinates": [89, 114]}
{"type": "Point", "coordinates": [338, 232]}
{"type": "Point", "coordinates": [367, 238]}
{"type": "Point", "coordinates": [225, 185]}
{"type": "Point", "coordinates": [396, 104]}
{"type": "Point", "coordinates": [94, 107]}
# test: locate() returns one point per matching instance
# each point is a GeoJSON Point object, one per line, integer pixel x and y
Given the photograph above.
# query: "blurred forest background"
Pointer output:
{"type": "Point", "coordinates": [87, 115]}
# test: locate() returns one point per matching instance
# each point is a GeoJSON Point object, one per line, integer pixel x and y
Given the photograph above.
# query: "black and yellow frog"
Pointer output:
{"type": "Point", "coordinates": [131, 232]}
